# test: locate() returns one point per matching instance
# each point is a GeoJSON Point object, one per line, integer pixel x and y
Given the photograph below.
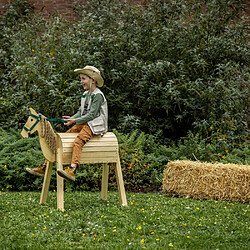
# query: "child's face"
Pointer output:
{"type": "Point", "coordinates": [85, 81]}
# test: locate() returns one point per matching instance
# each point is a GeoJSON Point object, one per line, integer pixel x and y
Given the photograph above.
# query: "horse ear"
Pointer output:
{"type": "Point", "coordinates": [32, 111]}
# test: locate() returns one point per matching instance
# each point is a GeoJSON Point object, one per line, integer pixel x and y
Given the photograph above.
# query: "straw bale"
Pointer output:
{"type": "Point", "coordinates": [204, 180]}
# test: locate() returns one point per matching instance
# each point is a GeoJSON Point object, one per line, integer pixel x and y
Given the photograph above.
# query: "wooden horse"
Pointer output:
{"type": "Point", "coordinates": [57, 147]}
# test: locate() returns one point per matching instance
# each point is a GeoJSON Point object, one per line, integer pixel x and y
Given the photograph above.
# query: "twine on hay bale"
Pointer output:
{"type": "Point", "coordinates": [203, 180]}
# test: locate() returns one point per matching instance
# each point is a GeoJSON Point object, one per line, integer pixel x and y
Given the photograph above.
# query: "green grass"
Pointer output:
{"type": "Point", "coordinates": [151, 221]}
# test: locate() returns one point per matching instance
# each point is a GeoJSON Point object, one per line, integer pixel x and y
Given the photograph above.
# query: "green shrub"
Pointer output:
{"type": "Point", "coordinates": [18, 11]}
{"type": "Point", "coordinates": [172, 66]}
{"type": "Point", "coordinates": [16, 154]}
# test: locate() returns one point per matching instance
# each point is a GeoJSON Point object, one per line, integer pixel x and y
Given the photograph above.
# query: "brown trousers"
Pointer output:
{"type": "Point", "coordinates": [82, 138]}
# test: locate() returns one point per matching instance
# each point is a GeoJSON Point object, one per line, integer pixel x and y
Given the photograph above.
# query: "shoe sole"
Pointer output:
{"type": "Point", "coordinates": [65, 175]}
{"type": "Point", "coordinates": [30, 171]}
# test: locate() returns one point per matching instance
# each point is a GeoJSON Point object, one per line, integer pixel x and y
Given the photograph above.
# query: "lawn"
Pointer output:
{"type": "Point", "coordinates": [151, 221]}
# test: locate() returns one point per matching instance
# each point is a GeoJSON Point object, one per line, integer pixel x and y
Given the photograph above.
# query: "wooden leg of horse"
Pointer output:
{"type": "Point", "coordinates": [60, 186]}
{"type": "Point", "coordinates": [120, 183]}
{"type": "Point", "coordinates": [46, 182]}
{"type": "Point", "coordinates": [105, 176]}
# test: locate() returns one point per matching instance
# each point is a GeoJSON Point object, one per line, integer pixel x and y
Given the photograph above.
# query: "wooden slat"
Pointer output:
{"type": "Point", "coordinates": [69, 140]}
{"type": "Point", "coordinates": [73, 135]}
{"type": "Point", "coordinates": [97, 160]}
{"type": "Point", "coordinates": [92, 157]}
{"type": "Point", "coordinates": [67, 160]}
{"type": "Point", "coordinates": [97, 145]}
{"type": "Point", "coordinates": [92, 161]}
{"type": "Point", "coordinates": [101, 155]}
{"type": "Point", "coordinates": [91, 149]}
{"type": "Point", "coordinates": [94, 142]}
{"type": "Point", "coordinates": [95, 154]}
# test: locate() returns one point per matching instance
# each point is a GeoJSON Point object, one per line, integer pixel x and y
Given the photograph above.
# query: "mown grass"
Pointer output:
{"type": "Point", "coordinates": [151, 221]}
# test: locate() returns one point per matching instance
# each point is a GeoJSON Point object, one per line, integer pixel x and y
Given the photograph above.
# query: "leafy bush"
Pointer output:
{"type": "Point", "coordinates": [18, 10]}
{"type": "Point", "coordinates": [16, 154]}
{"type": "Point", "coordinates": [143, 161]}
{"type": "Point", "coordinates": [172, 66]}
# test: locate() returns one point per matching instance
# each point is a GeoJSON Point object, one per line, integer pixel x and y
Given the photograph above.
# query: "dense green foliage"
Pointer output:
{"type": "Point", "coordinates": [151, 221]}
{"type": "Point", "coordinates": [170, 66]}
{"type": "Point", "coordinates": [17, 153]}
{"type": "Point", "coordinates": [143, 161]}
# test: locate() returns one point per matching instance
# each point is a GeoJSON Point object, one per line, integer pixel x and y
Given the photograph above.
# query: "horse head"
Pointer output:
{"type": "Point", "coordinates": [30, 125]}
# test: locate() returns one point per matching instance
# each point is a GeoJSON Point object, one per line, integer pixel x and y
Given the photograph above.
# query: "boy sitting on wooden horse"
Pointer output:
{"type": "Point", "coordinates": [91, 118]}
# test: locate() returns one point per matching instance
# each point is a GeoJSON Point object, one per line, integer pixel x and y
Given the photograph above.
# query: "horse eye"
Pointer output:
{"type": "Point", "coordinates": [31, 119]}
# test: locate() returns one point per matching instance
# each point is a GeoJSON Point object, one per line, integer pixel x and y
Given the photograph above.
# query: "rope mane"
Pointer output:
{"type": "Point", "coordinates": [48, 133]}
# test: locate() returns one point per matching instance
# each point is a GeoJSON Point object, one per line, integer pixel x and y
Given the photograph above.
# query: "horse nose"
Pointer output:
{"type": "Point", "coordinates": [24, 134]}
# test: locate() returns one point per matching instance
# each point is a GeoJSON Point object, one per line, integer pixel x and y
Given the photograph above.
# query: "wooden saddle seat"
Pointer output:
{"type": "Point", "coordinates": [99, 149]}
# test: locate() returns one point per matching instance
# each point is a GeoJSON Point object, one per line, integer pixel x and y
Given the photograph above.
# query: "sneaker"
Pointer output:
{"type": "Point", "coordinates": [68, 173]}
{"type": "Point", "coordinates": [38, 171]}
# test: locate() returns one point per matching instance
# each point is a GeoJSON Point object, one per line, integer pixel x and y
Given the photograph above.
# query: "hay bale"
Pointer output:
{"type": "Point", "coordinates": [203, 180]}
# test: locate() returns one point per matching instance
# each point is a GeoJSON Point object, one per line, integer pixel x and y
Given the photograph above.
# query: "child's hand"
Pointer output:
{"type": "Point", "coordinates": [66, 117]}
{"type": "Point", "coordinates": [69, 120]}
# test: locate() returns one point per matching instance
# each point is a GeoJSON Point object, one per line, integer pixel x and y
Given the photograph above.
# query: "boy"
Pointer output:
{"type": "Point", "coordinates": [91, 118]}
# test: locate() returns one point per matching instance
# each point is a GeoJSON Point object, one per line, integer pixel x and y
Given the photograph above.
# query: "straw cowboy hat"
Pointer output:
{"type": "Point", "coordinates": [92, 72]}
